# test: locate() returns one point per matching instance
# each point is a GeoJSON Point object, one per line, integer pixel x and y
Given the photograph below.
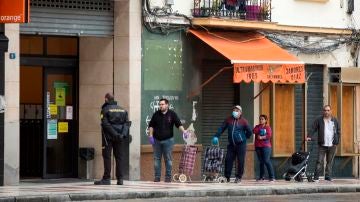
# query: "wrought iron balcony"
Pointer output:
{"type": "Point", "coordinates": [255, 10]}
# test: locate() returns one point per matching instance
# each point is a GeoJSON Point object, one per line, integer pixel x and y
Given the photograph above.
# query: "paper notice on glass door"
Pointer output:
{"type": "Point", "coordinates": [52, 129]}
{"type": "Point", "coordinates": [63, 127]}
{"type": "Point", "coordinates": [60, 96]}
{"type": "Point", "coordinates": [69, 112]}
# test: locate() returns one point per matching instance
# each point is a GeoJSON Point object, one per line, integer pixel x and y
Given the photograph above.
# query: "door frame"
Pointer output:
{"type": "Point", "coordinates": [67, 70]}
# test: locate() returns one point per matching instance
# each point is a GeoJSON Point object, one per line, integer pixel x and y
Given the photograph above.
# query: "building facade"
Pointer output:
{"type": "Point", "coordinates": [59, 66]}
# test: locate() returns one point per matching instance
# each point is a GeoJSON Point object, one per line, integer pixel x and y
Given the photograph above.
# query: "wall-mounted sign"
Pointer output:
{"type": "Point", "coordinates": [14, 11]}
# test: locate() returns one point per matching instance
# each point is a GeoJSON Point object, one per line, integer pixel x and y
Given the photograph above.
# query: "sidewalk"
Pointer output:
{"type": "Point", "coordinates": [76, 190]}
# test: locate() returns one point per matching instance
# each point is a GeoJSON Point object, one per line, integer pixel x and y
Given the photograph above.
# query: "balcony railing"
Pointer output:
{"type": "Point", "coordinates": [255, 10]}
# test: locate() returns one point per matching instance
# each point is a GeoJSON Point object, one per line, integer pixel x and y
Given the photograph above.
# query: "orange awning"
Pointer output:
{"type": "Point", "coordinates": [255, 58]}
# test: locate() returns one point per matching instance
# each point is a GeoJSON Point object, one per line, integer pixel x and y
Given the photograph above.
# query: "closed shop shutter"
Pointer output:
{"type": "Point", "coordinates": [217, 101]}
{"type": "Point", "coordinates": [70, 17]}
{"type": "Point", "coordinates": [314, 108]}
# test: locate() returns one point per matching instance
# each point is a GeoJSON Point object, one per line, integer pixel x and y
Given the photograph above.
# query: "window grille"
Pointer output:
{"type": "Point", "coordinates": [94, 5]}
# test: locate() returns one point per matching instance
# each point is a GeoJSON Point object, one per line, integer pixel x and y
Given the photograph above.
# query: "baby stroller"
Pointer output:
{"type": "Point", "coordinates": [213, 159]}
{"type": "Point", "coordinates": [187, 159]}
{"type": "Point", "coordinates": [298, 167]}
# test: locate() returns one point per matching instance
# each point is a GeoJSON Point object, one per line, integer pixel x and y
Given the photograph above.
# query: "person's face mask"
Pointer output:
{"type": "Point", "coordinates": [235, 114]}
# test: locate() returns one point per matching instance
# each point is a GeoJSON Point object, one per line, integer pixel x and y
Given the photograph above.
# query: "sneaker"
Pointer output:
{"type": "Point", "coordinates": [157, 179]}
{"type": "Point", "coordinates": [168, 179]}
{"type": "Point", "coordinates": [120, 182]}
{"type": "Point", "coordinates": [102, 182]}
{"type": "Point", "coordinates": [228, 179]}
{"type": "Point", "coordinates": [272, 180]}
{"type": "Point", "coordinates": [237, 180]}
{"type": "Point", "coordinates": [260, 179]}
{"type": "Point", "coordinates": [328, 178]}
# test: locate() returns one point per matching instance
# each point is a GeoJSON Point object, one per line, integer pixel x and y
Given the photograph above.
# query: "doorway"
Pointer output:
{"type": "Point", "coordinates": [48, 107]}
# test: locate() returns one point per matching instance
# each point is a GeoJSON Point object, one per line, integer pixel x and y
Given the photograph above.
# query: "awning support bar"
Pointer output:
{"type": "Point", "coordinates": [268, 84]}
{"type": "Point", "coordinates": [197, 91]}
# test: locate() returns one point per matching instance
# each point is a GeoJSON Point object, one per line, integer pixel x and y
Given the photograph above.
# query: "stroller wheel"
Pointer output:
{"type": "Point", "coordinates": [176, 177]}
{"type": "Point", "coordinates": [221, 180]}
{"type": "Point", "coordinates": [204, 178]}
{"type": "Point", "coordinates": [287, 178]}
{"type": "Point", "coordinates": [299, 178]}
{"type": "Point", "coordinates": [182, 178]}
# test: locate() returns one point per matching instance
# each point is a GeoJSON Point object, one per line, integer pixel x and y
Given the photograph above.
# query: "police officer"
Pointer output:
{"type": "Point", "coordinates": [114, 124]}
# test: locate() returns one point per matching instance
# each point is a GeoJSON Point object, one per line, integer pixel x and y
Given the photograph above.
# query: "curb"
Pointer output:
{"type": "Point", "coordinates": [243, 191]}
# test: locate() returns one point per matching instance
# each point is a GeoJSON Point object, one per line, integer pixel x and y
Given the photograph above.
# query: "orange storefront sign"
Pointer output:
{"type": "Point", "coordinates": [14, 11]}
{"type": "Point", "coordinates": [276, 73]}
{"type": "Point", "coordinates": [254, 57]}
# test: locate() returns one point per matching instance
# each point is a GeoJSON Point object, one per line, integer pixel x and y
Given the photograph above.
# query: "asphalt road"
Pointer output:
{"type": "Point", "coordinates": [326, 197]}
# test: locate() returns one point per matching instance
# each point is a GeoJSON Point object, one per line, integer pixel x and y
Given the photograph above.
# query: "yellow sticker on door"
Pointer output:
{"type": "Point", "coordinates": [53, 109]}
{"type": "Point", "coordinates": [63, 127]}
{"type": "Point", "coordinates": [60, 97]}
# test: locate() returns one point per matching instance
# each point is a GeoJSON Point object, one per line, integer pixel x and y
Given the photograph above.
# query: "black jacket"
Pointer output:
{"type": "Point", "coordinates": [113, 119]}
{"type": "Point", "coordinates": [163, 124]}
{"type": "Point", "coordinates": [318, 126]}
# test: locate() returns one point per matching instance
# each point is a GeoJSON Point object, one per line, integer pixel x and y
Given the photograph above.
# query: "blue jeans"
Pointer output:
{"type": "Point", "coordinates": [163, 148]}
{"type": "Point", "coordinates": [263, 154]}
{"type": "Point", "coordinates": [235, 151]}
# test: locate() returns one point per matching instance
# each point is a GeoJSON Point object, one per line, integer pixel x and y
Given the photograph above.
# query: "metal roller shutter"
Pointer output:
{"type": "Point", "coordinates": [217, 101]}
{"type": "Point", "coordinates": [70, 17]}
{"type": "Point", "coordinates": [314, 108]}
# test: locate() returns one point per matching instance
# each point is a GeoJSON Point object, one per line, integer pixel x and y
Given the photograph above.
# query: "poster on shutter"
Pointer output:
{"type": "Point", "coordinates": [69, 112]}
{"type": "Point", "coordinates": [52, 129]}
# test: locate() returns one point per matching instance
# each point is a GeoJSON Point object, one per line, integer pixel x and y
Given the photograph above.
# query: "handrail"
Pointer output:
{"type": "Point", "coordinates": [252, 10]}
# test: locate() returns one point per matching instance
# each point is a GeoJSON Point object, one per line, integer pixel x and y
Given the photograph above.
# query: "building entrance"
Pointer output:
{"type": "Point", "coordinates": [48, 107]}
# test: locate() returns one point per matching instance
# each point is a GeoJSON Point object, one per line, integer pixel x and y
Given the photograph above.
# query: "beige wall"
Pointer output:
{"type": "Point", "coordinates": [127, 79]}
{"type": "Point", "coordinates": [95, 79]}
{"type": "Point", "coordinates": [12, 137]}
{"type": "Point", "coordinates": [97, 56]}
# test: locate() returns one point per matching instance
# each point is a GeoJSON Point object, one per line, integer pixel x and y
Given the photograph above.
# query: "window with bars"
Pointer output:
{"type": "Point", "coordinates": [95, 5]}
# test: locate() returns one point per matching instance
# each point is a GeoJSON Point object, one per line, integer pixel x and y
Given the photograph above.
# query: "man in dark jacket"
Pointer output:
{"type": "Point", "coordinates": [238, 131]}
{"type": "Point", "coordinates": [161, 130]}
{"type": "Point", "coordinates": [328, 130]}
{"type": "Point", "coordinates": [115, 128]}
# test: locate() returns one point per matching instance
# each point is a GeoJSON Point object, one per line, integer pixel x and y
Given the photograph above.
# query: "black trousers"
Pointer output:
{"type": "Point", "coordinates": [116, 147]}
{"type": "Point", "coordinates": [235, 151]}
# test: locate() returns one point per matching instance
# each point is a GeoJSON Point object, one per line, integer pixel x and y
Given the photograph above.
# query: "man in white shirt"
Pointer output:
{"type": "Point", "coordinates": [328, 130]}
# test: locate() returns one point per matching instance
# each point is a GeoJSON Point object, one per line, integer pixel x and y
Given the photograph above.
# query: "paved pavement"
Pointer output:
{"type": "Point", "coordinates": [77, 190]}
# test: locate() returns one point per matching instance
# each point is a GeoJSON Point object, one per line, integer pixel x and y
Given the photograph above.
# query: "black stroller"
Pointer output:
{"type": "Point", "coordinates": [298, 167]}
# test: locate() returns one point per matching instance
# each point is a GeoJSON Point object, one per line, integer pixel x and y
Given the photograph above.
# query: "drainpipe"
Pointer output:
{"type": "Point", "coordinates": [3, 48]}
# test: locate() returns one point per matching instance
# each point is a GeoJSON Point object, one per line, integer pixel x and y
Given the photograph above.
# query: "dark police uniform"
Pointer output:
{"type": "Point", "coordinates": [113, 120]}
